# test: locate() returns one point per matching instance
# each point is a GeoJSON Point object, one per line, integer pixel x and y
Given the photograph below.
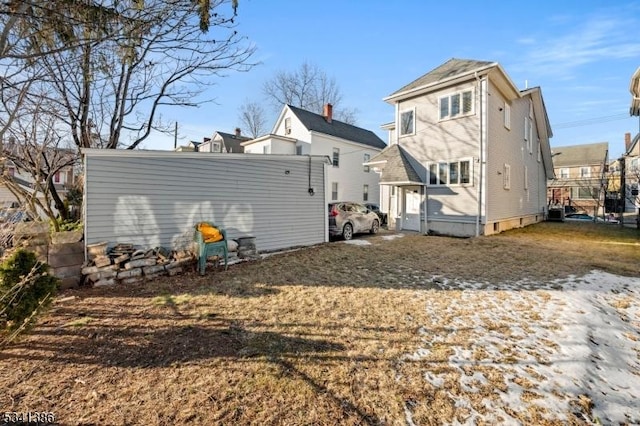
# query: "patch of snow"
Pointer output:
{"type": "Point", "coordinates": [558, 341]}
{"type": "Point", "coordinates": [358, 242]}
{"type": "Point", "coordinates": [392, 236]}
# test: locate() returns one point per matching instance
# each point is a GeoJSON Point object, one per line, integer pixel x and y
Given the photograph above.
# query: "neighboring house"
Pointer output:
{"type": "Point", "coordinates": [190, 147]}
{"type": "Point", "coordinates": [581, 176]}
{"type": "Point", "coordinates": [301, 132]}
{"type": "Point", "coordinates": [629, 163]}
{"type": "Point", "coordinates": [63, 180]}
{"type": "Point", "coordinates": [224, 142]}
{"type": "Point", "coordinates": [632, 149]}
{"type": "Point", "coordinates": [469, 153]}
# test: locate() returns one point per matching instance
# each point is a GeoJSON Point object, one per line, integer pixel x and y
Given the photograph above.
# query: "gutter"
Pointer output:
{"type": "Point", "coordinates": [481, 156]}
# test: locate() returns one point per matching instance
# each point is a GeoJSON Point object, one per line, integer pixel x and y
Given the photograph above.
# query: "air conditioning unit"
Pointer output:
{"type": "Point", "coordinates": [287, 131]}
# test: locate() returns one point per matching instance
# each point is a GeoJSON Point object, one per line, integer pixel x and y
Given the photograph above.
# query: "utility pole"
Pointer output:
{"type": "Point", "coordinates": [175, 137]}
{"type": "Point", "coordinates": [623, 192]}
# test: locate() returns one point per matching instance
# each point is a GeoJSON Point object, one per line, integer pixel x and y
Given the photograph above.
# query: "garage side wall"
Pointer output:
{"type": "Point", "coordinates": [155, 200]}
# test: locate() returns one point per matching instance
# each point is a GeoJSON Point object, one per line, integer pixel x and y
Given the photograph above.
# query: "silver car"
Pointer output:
{"type": "Point", "coordinates": [348, 218]}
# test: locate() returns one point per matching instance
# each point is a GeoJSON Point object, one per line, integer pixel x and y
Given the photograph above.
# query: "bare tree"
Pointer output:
{"type": "Point", "coordinates": [309, 88]}
{"type": "Point", "coordinates": [116, 88]}
{"type": "Point", "coordinates": [252, 117]}
{"type": "Point", "coordinates": [32, 155]}
{"type": "Point", "coordinates": [104, 72]}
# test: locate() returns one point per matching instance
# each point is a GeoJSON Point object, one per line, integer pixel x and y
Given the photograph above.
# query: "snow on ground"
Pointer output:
{"type": "Point", "coordinates": [555, 347]}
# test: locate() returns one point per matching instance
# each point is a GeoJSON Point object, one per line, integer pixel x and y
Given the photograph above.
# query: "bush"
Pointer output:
{"type": "Point", "coordinates": [25, 287]}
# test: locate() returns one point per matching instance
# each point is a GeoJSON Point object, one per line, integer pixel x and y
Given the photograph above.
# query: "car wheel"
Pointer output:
{"type": "Point", "coordinates": [375, 226]}
{"type": "Point", "coordinates": [347, 232]}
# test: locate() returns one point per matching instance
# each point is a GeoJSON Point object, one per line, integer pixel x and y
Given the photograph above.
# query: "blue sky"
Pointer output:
{"type": "Point", "coordinates": [581, 53]}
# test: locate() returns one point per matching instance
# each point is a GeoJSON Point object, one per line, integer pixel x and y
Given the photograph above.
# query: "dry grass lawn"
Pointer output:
{"type": "Point", "coordinates": [320, 336]}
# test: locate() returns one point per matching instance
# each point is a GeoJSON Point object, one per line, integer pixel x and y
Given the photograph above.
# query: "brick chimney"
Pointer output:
{"type": "Point", "coordinates": [627, 142]}
{"type": "Point", "coordinates": [328, 112]}
{"type": "Point", "coordinates": [238, 132]}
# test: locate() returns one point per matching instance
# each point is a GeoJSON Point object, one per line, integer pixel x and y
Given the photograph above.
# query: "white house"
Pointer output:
{"type": "Point", "coordinates": [469, 153]}
{"type": "Point", "coordinates": [301, 132]}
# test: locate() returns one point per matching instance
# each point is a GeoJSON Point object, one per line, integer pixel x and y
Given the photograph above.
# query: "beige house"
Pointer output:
{"type": "Point", "coordinates": [581, 177]}
{"type": "Point", "coordinates": [468, 154]}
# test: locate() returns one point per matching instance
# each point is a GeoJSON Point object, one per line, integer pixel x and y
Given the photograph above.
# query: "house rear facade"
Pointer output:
{"type": "Point", "coordinates": [469, 153]}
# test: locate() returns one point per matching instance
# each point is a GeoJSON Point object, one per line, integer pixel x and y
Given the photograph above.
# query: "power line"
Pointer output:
{"type": "Point", "coordinates": [588, 121]}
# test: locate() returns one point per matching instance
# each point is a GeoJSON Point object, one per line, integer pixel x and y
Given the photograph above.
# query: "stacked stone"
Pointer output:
{"type": "Point", "coordinates": [126, 265]}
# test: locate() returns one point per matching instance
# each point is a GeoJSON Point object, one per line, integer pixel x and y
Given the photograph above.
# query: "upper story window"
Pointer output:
{"type": "Point", "coordinates": [336, 157]}
{"type": "Point", "coordinates": [456, 105]}
{"type": "Point", "coordinates": [56, 177]}
{"type": "Point", "coordinates": [450, 173]}
{"type": "Point", "coordinates": [287, 126]}
{"type": "Point", "coordinates": [215, 147]}
{"type": "Point", "coordinates": [634, 165]}
{"type": "Point", "coordinates": [564, 173]}
{"type": "Point", "coordinates": [585, 172]}
{"type": "Point", "coordinates": [407, 122]}
{"type": "Point", "coordinates": [365, 192]}
{"type": "Point", "coordinates": [367, 157]}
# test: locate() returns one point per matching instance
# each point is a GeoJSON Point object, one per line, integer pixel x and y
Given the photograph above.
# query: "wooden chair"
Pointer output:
{"type": "Point", "coordinates": [205, 250]}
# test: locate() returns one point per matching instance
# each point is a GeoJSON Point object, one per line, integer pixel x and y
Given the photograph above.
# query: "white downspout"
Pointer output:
{"type": "Point", "coordinates": [481, 156]}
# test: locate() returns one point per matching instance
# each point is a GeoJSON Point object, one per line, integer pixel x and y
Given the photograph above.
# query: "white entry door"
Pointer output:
{"type": "Point", "coordinates": [411, 209]}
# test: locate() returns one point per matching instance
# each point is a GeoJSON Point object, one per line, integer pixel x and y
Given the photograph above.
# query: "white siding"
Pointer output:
{"type": "Point", "coordinates": [509, 147]}
{"type": "Point", "coordinates": [153, 199]}
{"type": "Point", "coordinates": [350, 173]}
{"type": "Point", "coordinates": [273, 145]}
{"type": "Point", "coordinates": [446, 141]}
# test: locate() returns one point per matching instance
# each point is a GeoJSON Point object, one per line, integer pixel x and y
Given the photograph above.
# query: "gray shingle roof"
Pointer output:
{"type": "Point", "coordinates": [232, 142]}
{"type": "Point", "coordinates": [397, 168]}
{"type": "Point", "coordinates": [452, 68]}
{"type": "Point", "coordinates": [580, 155]}
{"type": "Point", "coordinates": [317, 123]}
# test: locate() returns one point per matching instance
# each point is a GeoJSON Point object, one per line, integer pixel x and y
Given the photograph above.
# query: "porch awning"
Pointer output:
{"type": "Point", "coordinates": [396, 167]}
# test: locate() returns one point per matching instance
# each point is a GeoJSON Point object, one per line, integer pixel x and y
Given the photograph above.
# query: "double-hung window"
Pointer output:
{"type": "Point", "coordinates": [456, 105]}
{"type": "Point", "coordinates": [407, 122]}
{"type": "Point", "coordinates": [585, 172]}
{"type": "Point", "coordinates": [367, 157]}
{"type": "Point", "coordinates": [336, 157]}
{"type": "Point", "coordinates": [564, 173]}
{"type": "Point", "coordinates": [450, 173]}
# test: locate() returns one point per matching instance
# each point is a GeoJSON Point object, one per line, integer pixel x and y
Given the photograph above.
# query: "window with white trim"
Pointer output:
{"type": "Point", "coordinates": [367, 157]}
{"type": "Point", "coordinates": [216, 147]}
{"type": "Point", "coordinates": [365, 192]}
{"type": "Point", "coordinates": [506, 176]}
{"type": "Point", "coordinates": [455, 105]}
{"type": "Point", "coordinates": [287, 126]}
{"type": "Point", "coordinates": [450, 173]}
{"type": "Point", "coordinates": [407, 122]}
{"type": "Point", "coordinates": [584, 193]}
{"type": "Point", "coordinates": [585, 172]}
{"type": "Point", "coordinates": [336, 157]}
{"type": "Point", "coordinates": [507, 116]}
{"type": "Point", "coordinates": [564, 173]}
{"type": "Point", "coordinates": [334, 191]}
